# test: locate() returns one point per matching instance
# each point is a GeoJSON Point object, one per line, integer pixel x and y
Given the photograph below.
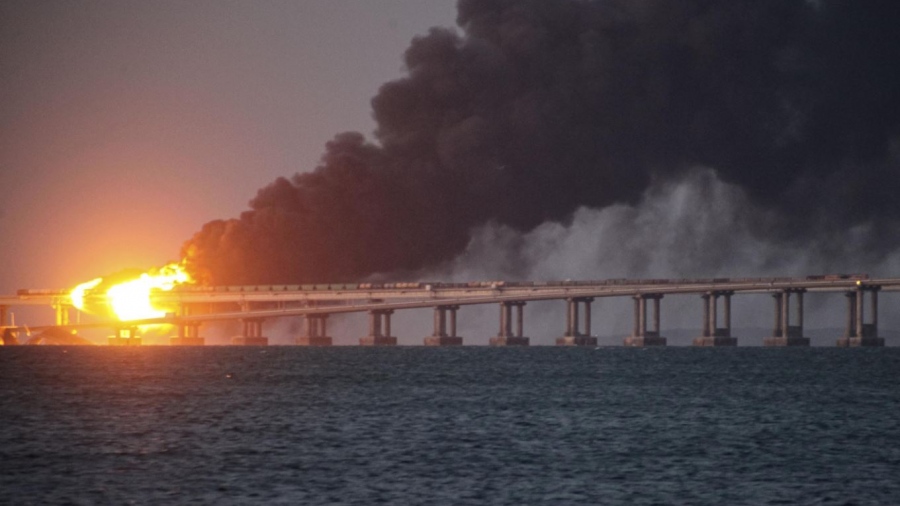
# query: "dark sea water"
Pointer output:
{"type": "Point", "coordinates": [348, 425]}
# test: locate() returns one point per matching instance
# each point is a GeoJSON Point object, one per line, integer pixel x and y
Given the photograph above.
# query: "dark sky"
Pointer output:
{"type": "Point", "coordinates": [125, 125]}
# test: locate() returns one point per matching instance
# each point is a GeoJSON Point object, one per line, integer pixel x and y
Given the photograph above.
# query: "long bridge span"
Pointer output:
{"type": "Point", "coordinates": [254, 305]}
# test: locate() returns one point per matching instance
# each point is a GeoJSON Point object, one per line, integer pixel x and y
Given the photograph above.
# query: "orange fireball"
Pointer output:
{"type": "Point", "coordinates": [130, 299]}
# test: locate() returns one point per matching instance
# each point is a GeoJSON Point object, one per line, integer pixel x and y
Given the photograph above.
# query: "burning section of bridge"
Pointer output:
{"type": "Point", "coordinates": [128, 296]}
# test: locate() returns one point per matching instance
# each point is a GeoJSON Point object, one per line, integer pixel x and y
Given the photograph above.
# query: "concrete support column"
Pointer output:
{"type": "Point", "coordinates": [587, 316]}
{"type": "Point", "coordinates": [125, 336]}
{"type": "Point", "coordinates": [574, 335]}
{"type": "Point", "coordinates": [785, 313]}
{"type": "Point", "coordinates": [252, 335]}
{"type": "Point", "coordinates": [712, 334]}
{"type": "Point", "coordinates": [776, 330]}
{"type": "Point", "coordinates": [850, 331]}
{"type": "Point", "coordinates": [188, 333]}
{"type": "Point", "coordinates": [860, 333]}
{"type": "Point", "coordinates": [727, 316]}
{"type": "Point", "coordinates": [874, 308]}
{"type": "Point", "coordinates": [784, 334]}
{"type": "Point", "coordinates": [706, 315]}
{"type": "Point", "coordinates": [520, 318]}
{"type": "Point", "coordinates": [440, 321]}
{"type": "Point", "coordinates": [641, 336]}
{"type": "Point", "coordinates": [4, 311]}
{"type": "Point", "coordinates": [321, 321]}
{"type": "Point", "coordinates": [570, 324]}
{"type": "Point", "coordinates": [375, 323]}
{"type": "Point", "coordinates": [505, 319]}
{"type": "Point", "coordinates": [253, 327]}
{"type": "Point", "coordinates": [62, 313]}
{"type": "Point", "coordinates": [315, 331]}
{"type": "Point", "coordinates": [379, 329]}
{"type": "Point", "coordinates": [191, 331]}
{"type": "Point", "coordinates": [509, 336]}
{"type": "Point", "coordinates": [453, 310]}
{"type": "Point", "coordinates": [441, 336]}
{"type": "Point", "coordinates": [860, 316]}
{"type": "Point", "coordinates": [656, 315]}
{"type": "Point", "coordinates": [642, 317]}
{"type": "Point", "coordinates": [637, 316]}
{"type": "Point", "coordinates": [576, 331]}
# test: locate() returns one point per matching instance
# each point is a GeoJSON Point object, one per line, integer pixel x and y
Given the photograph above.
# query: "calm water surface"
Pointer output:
{"type": "Point", "coordinates": [288, 425]}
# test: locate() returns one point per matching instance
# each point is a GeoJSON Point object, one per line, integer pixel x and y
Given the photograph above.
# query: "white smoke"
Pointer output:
{"type": "Point", "coordinates": [694, 227]}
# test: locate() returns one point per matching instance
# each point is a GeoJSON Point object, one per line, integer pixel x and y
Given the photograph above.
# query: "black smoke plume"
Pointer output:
{"type": "Point", "coordinates": [536, 108]}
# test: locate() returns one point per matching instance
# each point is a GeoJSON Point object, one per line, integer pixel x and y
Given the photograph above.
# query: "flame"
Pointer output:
{"type": "Point", "coordinates": [77, 293]}
{"type": "Point", "coordinates": [131, 299]}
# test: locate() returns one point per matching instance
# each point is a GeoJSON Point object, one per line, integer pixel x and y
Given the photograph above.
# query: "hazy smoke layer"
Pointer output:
{"type": "Point", "coordinates": [692, 228]}
{"type": "Point", "coordinates": [540, 108]}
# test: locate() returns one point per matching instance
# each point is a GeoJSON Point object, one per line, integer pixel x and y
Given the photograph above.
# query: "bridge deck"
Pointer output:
{"type": "Point", "coordinates": [334, 299]}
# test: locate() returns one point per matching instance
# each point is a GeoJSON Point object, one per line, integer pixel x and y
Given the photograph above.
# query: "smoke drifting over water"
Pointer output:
{"type": "Point", "coordinates": [539, 117]}
{"type": "Point", "coordinates": [695, 227]}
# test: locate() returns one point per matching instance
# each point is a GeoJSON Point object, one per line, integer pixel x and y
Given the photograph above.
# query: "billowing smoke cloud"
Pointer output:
{"type": "Point", "coordinates": [536, 109]}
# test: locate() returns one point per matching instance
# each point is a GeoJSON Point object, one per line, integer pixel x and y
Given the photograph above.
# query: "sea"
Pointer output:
{"type": "Point", "coordinates": [286, 425]}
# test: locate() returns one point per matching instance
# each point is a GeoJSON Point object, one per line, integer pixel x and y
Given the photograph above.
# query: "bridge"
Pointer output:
{"type": "Point", "coordinates": [254, 305]}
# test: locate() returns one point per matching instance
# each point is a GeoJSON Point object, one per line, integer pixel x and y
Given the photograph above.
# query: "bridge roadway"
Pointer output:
{"type": "Point", "coordinates": [255, 303]}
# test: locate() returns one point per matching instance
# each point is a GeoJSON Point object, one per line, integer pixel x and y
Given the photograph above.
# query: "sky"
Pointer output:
{"type": "Point", "coordinates": [126, 125]}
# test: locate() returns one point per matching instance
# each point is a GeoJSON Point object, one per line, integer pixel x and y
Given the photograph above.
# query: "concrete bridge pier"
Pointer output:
{"type": "Point", "coordinates": [442, 336]}
{"type": "Point", "coordinates": [252, 334]}
{"type": "Point", "coordinates": [785, 334]}
{"type": "Point", "coordinates": [858, 332]}
{"type": "Point", "coordinates": [640, 336]}
{"type": "Point", "coordinates": [509, 336]}
{"type": "Point", "coordinates": [188, 333]}
{"type": "Point", "coordinates": [125, 336]}
{"type": "Point", "coordinates": [713, 335]}
{"type": "Point", "coordinates": [315, 331]}
{"type": "Point", "coordinates": [62, 313]}
{"type": "Point", "coordinates": [379, 329]}
{"type": "Point", "coordinates": [574, 336]}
